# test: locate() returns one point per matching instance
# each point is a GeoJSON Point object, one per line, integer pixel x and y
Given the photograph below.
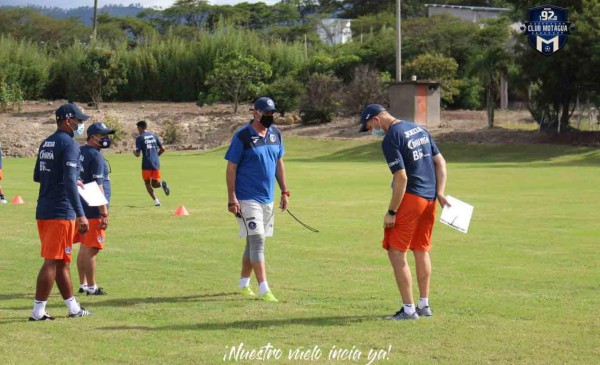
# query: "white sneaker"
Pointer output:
{"type": "Point", "coordinates": [4, 201]}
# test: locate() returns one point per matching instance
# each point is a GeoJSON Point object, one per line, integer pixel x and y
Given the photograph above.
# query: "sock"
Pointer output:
{"type": "Point", "coordinates": [244, 282]}
{"type": "Point", "coordinates": [409, 309]}
{"type": "Point", "coordinates": [91, 289]}
{"type": "Point", "coordinates": [39, 309]}
{"type": "Point", "coordinates": [72, 305]}
{"type": "Point", "coordinates": [264, 287]}
{"type": "Point", "coordinates": [156, 201]}
{"type": "Point", "coordinates": [423, 302]}
{"type": "Point", "coordinates": [83, 286]}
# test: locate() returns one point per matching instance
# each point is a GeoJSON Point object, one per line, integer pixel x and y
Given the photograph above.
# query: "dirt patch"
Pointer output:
{"type": "Point", "coordinates": [203, 128]}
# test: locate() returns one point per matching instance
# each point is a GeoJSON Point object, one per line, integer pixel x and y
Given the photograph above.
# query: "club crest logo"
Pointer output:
{"type": "Point", "coordinates": [273, 138]}
{"type": "Point", "coordinates": [547, 28]}
{"type": "Point", "coordinates": [252, 225]}
{"type": "Point", "coordinates": [68, 250]}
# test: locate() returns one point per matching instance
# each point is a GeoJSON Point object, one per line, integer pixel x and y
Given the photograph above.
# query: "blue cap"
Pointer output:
{"type": "Point", "coordinates": [70, 111]}
{"type": "Point", "coordinates": [99, 128]}
{"type": "Point", "coordinates": [370, 111]}
{"type": "Point", "coordinates": [264, 104]}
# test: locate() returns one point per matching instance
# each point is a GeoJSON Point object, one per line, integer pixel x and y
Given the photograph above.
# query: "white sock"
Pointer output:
{"type": "Point", "coordinates": [83, 286]}
{"type": "Point", "coordinates": [156, 201]}
{"type": "Point", "coordinates": [91, 289]}
{"type": "Point", "coordinates": [423, 302]}
{"type": "Point", "coordinates": [72, 305]}
{"type": "Point", "coordinates": [39, 309]}
{"type": "Point", "coordinates": [244, 282]}
{"type": "Point", "coordinates": [409, 309]}
{"type": "Point", "coordinates": [264, 287]}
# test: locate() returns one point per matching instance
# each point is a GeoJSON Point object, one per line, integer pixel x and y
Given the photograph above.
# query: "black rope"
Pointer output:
{"type": "Point", "coordinates": [303, 224]}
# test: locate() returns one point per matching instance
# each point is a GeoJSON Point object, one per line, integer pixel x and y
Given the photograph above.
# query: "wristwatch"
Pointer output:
{"type": "Point", "coordinates": [391, 212]}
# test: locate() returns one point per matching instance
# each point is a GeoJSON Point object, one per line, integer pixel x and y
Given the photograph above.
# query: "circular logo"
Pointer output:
{"type": "Point", "coordinates": [68, 250]}
{"type": "Point", "coordinates": [273, 138]}
{"type": "Point", "coordinates": [252, 225]}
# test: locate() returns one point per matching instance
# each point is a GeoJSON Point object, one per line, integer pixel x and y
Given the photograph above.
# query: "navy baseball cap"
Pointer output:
{"type": "Point", "coordinates": [70, 111]}
{"type": "Point", "coordinates": [99, 128]}
{"type": "Point", "coordinates": [370, 111]}
{"type": "Point", "coordinates": [264, 104]}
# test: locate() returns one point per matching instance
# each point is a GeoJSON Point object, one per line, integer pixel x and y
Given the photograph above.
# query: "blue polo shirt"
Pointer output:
{"type": "Point", "coordinates": [256, 160]}
{"type": "Point", "coordinates": [408, 146]}
{"type": "Point", "coordinates": [94, 168]}
{"type": "Point", "coordinates": [57, 169]}
{"type": "Point", "coordinates": [148, 143]}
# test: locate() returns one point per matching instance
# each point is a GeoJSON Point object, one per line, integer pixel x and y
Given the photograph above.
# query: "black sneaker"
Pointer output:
{"type": "Point", "coordinates": [166, 188]}
{"type": "Point", "coordinates": [401, 316]}
{"type": "Point", "coordinates": [46, 317]}
{"type": "Point", "coordinates": [424, 312]}
{"type": "Point", "coordinates": [98, 291]}
{"type": "Point", "coordinates": [82, 290]}
{"type": "Point", "coordinates": [82, 313]}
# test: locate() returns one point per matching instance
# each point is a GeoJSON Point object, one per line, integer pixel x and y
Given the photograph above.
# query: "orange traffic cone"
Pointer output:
{"type": "Point", "coordinates": [17, 200]}
{"type": "Point", "coordinates": [181, 211]}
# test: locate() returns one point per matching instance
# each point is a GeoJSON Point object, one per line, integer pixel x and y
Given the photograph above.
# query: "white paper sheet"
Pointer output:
{"type": "Point", "coordinates": [92, 194]}
{"type": "Point", "coordinates": [458, 215]}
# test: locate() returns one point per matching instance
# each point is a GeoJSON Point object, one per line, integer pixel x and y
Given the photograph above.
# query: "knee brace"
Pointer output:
{"type": "Point", "coordinates": [257, 247]}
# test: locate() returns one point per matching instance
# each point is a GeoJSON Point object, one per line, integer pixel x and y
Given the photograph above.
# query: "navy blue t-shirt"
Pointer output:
{"type": "Point", "coordinates": [256, 160]}
{"type": "Point", "coordinates": [94, 168]}
{"type": "Point", "coordinates": [408, 146]}
{"type": "Point", "coordinates": [149, 144]}
{"type": "Point", "coordinates": [57, 169]}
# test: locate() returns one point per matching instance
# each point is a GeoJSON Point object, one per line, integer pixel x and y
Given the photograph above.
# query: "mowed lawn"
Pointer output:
{"type": "Point", "coordinates": [521, 287]}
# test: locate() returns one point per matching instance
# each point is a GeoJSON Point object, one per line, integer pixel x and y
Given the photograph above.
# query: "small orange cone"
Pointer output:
{"type": "Point", "coordinates": [17, 200]}
{"type": "Point", "coordinates": [181, 211]}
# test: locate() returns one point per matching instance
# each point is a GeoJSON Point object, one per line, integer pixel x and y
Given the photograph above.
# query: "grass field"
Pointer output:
{"type": "Point", "coordinates": [521, 287]}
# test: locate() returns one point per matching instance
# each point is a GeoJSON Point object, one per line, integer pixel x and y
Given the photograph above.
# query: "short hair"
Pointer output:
{"type": "Point", "coordinates": [142, 124]}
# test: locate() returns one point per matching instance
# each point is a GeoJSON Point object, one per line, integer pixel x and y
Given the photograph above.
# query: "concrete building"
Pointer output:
{"type": "Point", "coordinates": [473, 14]}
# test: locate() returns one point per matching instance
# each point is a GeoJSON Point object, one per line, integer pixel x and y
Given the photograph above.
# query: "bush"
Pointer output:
{"type": "Point", "coordinates": [172, 134]}
{"type": "Point", "coordinates": [321, 100]}
{"type": "Point", "coordinates": [470, 95]}
{"type": "Point", "coordinates": [367, 87]}
{"type": "Point", "coordinates": [11, 97]}
{"type": "Point", "coordinates": [113, 122]}
{"type": "Point", "coordinates": [286, 93]}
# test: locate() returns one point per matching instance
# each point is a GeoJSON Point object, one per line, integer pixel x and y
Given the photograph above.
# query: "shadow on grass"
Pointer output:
{"type": "Point", "coordinates": [252, 324]}
{"type": "Point", "coordinates": [16, 296]}
{"type": "Point", "coordinates": [456, 152]}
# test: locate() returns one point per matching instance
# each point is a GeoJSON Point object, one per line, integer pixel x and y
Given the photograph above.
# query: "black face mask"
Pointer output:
{"type": "Point", "coordinates": [266, 120]}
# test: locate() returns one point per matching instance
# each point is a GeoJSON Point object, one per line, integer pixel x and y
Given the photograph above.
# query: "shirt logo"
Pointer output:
{"type": "Point", "coordinates": [272, 138]}
{"type": "Point", "coordinates": [48, 144]}
{"type": "Point", "coordinates": [252, 226]}
{"type": "Point", "coordinates": [72, 164]}
{"type": "Point", "coordinates": [46, 155]}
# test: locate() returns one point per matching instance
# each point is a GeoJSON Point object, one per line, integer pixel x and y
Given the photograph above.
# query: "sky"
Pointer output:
{"type": "Point", "coordinates": [67, 4]}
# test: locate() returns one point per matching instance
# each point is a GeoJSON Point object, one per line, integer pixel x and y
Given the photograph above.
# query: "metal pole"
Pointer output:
{"type": "Point", "coordinates": [398, 41]}
{"type": "Point", "coordinates": [94, 25]}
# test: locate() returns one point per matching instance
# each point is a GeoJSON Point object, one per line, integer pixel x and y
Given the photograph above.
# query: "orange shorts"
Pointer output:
{"type": "Point", "coordinates": [56, 236]}
{"type": "Point", "coordinates": [151, 175]}
{"type": "Point", "coordinates": [0, 174]}
{"type": "Point", "coordinates": [414, 223]}
{"type": "Point", "coordinates": [94, 237]}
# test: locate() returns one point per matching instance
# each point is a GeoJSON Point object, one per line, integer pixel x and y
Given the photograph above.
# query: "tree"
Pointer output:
{"type": "Point", "coordinates": [491, 60]}
{"type": "Point", "coordinates": [435, 67]}
{"type": "Point", "coordinates": [556, 82]}
{"type": "Point", "coordinates": [237, 77]}
{"type": "Point", "coordinates": [99, 74]}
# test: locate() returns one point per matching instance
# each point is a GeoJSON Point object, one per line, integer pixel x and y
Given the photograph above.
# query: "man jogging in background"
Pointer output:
{"type": "Point", "coordinates": [419, 178]}
{"type": "Point", "coordinates": [2, 198]}
{"type": "Point", "coordinates": [59, 212]}
{"type": "Point", "coordinates": [150, 146]}
{"type": "Point", "coordinates": [93, 168]}
{"type": "Point", "coordinates": [255, 161]}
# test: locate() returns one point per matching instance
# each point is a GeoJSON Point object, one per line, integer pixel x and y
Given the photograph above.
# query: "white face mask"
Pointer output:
{"type": "Point", "coordinates": [79, 131]}
{"type": "Point", "coordinates": [377, 132]}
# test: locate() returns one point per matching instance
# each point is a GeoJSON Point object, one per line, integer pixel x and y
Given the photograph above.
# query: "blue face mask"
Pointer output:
{"type": "Point", "coordinates": [377, 132]}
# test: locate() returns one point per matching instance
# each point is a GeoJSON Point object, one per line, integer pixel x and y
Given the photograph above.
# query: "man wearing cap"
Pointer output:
{"type": "Point", "coordinates": [93, 168]}
{"type": "Point", "coordinates": [59, 212]}
{"type": "Point", "coordinates": [419, 179]}
{"type": "Point", "coordinates": [150, 146]}
{"type": "Point", "coordinates": [255, 161]}
{"type": "Point", "coordinates": [2, 198]}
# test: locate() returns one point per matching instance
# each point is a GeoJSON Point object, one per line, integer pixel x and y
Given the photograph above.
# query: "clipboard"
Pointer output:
{"type": "Point", "coordinates": [458, 215]}
{"type": "Point", "coordinates": [92, 194]}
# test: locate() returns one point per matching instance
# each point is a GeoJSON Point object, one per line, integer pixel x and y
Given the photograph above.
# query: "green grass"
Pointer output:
{"type": "Point", "coordinates": [521, 287]}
